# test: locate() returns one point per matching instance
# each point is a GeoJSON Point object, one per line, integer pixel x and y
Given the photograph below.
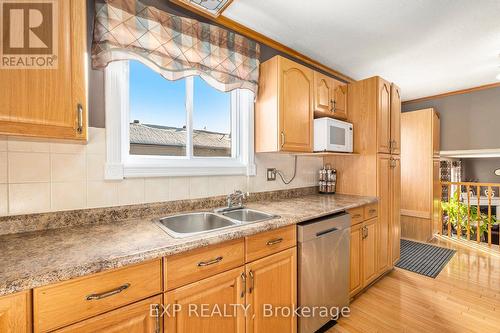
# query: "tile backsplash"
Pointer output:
{"type": "Point", "coordinates": [42, 175]}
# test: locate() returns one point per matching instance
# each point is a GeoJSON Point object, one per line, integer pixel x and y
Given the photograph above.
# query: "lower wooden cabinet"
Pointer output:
{"type": "Point", "coordinates": [272, 281]}
{"type": "Point", "coordinates": [384, 170]}
{"type": "Point", "coordinates": [64, 303]}
{"type": "Point", "coordinates": [370, 272]}
{"type": "Point", "coordinates": [214, 304]}
{"type": "Point", "coordinates": [15, 313]}
{"type": "Point", "coordinates": [395, 211]}
{"type": "Point", "coordinates": [208, 305]}
{"type": "Point", "coordinates": [363, 256]}
{"type": "Point", "coordinates": [134, 318]}
{"type": "Point", "coordinates": [356, 253]}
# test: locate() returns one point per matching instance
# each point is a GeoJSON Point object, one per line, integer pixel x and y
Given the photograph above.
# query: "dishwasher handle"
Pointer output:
{"type": "Point", "coordinates": [327, 231]}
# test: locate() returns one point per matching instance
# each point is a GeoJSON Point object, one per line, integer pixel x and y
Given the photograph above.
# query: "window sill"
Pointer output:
{"type": "Point", "coordinates": [132, 170]}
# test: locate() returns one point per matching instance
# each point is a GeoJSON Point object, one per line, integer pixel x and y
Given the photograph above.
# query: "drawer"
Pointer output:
{"type": "Point", "coordinates": [357, 215]}
{"type": "Point", "coordinates": [184, 268]}
{"type": "Point", "coordinates": [131, 318]}
{"type": "Point", "coordinates": [269, 242]}
{"type": "Point", "coordinates": [67, 302]}
{"type": "Point", "coordinates": [371, 211]}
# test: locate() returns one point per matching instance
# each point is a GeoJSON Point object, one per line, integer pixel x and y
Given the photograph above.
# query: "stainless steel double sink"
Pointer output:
{"type": "Point", "coordinates": [190, 224]}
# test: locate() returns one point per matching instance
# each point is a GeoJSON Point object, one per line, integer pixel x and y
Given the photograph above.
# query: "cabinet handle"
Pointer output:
{"type": "Point", "coordinates": [209, 262]}
{"type": "Point", "coordinates": [157, 320]}
{"type": "Point", "coordinates": [79, 115]}
{"type": "Point", "coordinates": [251, 282]}
{"type": "Point", "coordinates": [334, 105]}
{"type": "Point", "coordinates": [282, 138]}
{"type": "Point", "coordinates": [356, 216]}
{"type": "Point", "coordinates": [372, 211]}
{"type": "Point", "coordinates": [365, 232]}
{"type": "Point", "coordinates": [274, 241]}
{"type": "Point", "coordinates": [393, 163]}
{"type": "Point", "coordinates": [244, 281]}
{"type": "Point", "coordinates": [94, 297]}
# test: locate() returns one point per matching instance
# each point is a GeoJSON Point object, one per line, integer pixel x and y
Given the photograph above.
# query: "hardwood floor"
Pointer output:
{"type": "Point", "coordinates": [465, 297]}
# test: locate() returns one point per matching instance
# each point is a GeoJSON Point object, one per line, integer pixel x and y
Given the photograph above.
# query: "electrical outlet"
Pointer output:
{"type": "Point", "coordinates": [271, 174]}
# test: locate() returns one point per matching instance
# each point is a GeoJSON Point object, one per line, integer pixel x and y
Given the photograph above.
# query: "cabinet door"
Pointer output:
{"type": "Point", "coordinates": [340, 100]}
{"type": "Point", "coordinates": [272, 281]}
{"type": "Point", "coordinates": [384, 195]}
{"type": "Point", "coordinates": [323, 93]}
{"type": "Point", "coordinates": [15, 313]}
{"type": "Point", "coordinates": [384, 116]}
{"type": "Point", "coordinates": [369, 251]}
{"type": "Point", "coordinates": [134, 318]}
{"type": "Point", "coordinates": [395, 228]}
{"type": "Point", "coordinates": [356, 279]}
{"type": "Point", "coordinates": [436, 136]}
{"type": "Point", "coordinates": [395, 119]}
{"type": "Point", "coordinates": [296, 107]}
{"type": "Point", "coordinates": [218, 294]}
{"type": "Point", "coordinates": [45, 102]}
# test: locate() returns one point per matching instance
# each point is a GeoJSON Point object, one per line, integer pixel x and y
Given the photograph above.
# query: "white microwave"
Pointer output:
{"type": "Point", "coordinates": [332, 135]}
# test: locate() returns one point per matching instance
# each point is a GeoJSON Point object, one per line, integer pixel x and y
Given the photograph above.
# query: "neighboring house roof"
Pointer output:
{"type": "Point", "coordinates": [147, 134]}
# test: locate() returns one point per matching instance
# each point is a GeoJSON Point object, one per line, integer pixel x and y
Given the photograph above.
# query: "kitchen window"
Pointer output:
{"type": "Point", "coordinates": [156, 127]}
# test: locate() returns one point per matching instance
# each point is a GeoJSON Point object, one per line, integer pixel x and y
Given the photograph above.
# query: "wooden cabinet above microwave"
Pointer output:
{"type": "Point", "coordinates": [284, 107]}
{"type": "Point", "coordinates": [330, 97]}
{"type": "Point", "coordinates": [49, 101]}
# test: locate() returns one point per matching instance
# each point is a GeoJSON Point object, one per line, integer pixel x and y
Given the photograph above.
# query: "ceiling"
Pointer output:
{"type": "Point", "coordinates": [427, 47]}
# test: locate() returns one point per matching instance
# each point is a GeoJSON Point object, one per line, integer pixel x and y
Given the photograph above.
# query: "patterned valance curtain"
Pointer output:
{"type": "Point", "coordinates": [174, 46]}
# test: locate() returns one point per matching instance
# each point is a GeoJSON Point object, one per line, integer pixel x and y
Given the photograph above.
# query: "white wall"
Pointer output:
{"type": "Point", "coordinates": [44, 175]}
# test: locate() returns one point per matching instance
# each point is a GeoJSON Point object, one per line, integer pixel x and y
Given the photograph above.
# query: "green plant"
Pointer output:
{"type": "Point", "coordinates": [458, 215]}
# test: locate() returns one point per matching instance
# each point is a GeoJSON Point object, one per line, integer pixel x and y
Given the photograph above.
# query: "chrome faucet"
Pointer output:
{"type": "Point", "coordinates": [235, 197]}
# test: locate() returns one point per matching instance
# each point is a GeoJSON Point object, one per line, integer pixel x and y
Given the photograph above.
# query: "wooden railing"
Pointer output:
{"type": "Point", "coordinates": [466, 211]}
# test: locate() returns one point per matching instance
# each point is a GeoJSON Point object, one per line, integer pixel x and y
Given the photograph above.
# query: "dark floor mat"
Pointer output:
{"type": "Point", "coordinates": [422, 258]}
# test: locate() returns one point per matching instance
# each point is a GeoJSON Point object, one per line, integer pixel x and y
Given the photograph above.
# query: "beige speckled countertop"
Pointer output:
{"type": "Point", "coordinates": [32, 259]}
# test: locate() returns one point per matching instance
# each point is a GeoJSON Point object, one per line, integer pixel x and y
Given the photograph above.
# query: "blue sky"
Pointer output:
{"type": "Point", "coordinates": [155, 100]}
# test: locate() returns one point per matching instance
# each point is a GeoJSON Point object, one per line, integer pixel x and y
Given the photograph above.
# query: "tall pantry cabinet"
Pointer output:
{"type": "Point", "coordinates": [420, 190]}
{"type": "Point", "coordinates": [375, 111]}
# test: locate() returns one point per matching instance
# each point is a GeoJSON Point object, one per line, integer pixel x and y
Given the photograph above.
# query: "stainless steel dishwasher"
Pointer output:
{"type": "Point", "coordinates": [323, 267]}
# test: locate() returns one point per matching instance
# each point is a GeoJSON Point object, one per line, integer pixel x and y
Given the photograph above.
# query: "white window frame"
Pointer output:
{"type": "Point", "coordinates": [121, 164]}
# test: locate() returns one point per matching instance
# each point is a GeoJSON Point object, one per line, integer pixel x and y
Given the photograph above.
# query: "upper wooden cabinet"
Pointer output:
{"type": "Point", "coordinates": [388, 117]}
{"type": "Point", "coordinates": [330, 97]}
{"type": "Point", "coordinates": [50, 102]}
{"type": "Point", "coordinates": [436, 135]}
{"type": "Point", "coordinates": [324, 87]}
{"type": "Point", "coordinates": [284, 107]}
{"type": "Point", "coordinates": [15, 313]}
{"type": "Point", "coordinates": [340, 100]}
{"type": "Point", "coordinates": [384, 117]}
{"type": "Point", "coordinates": [395, 119]}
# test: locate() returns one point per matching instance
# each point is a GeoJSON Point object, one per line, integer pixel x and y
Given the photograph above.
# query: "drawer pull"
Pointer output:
{"type": "Point", "coordinates": [274, 241]}
{"type": "Point", "coordinates": [244, 281]}
{"type": "Point", "coordinates": [252, 282]}
{"type": "Point", "coordinates": [210, 262]}
{"type": "Point", "coordinates": [372, 211]}
{"type": "Point", "coordinates": [356, 216]}
{"type": "Point", "coordinates": [94, 297]}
